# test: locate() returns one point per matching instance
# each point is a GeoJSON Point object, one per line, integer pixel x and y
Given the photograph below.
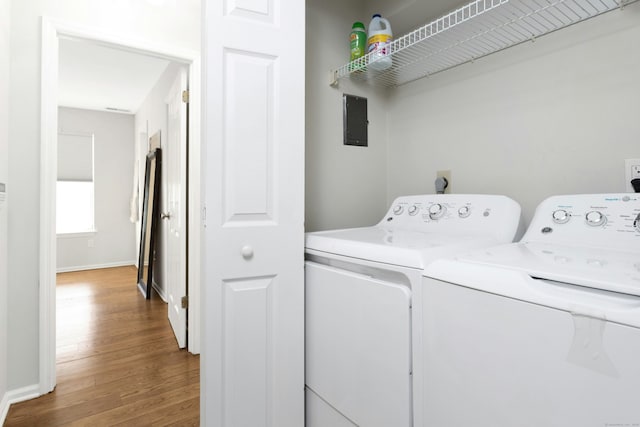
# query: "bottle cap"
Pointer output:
{"type": "Point", "coordinates": [377, 15]}
{"type": "Point", "coordinates": [358, 25]}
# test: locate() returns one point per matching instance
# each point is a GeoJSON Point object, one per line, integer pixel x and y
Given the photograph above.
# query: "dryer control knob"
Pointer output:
{"type": "Point", "coordinates": [413, 210]}
{"type": "Point", "coordinates": [436, 211]}
{"type": "Point", "coordinates": [464, 212]}
{"type": "Point", "coordinates": [561, 216]}
{"type": "Point", "coordinates": [398, 209]}
{"type": "Point", "coordinates": [595, 218]}
{"type": "Point", "coordinates": [636, 223]}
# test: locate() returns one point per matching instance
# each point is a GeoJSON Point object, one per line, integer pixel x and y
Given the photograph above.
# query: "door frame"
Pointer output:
{"type": "Point", "coordinates": [166, 225]}
{"type": "Point", "coordinates": [52, 31]}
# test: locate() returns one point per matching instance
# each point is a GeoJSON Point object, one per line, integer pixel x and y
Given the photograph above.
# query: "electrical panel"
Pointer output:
{"type": "Point", "coordinates": [355, 122]}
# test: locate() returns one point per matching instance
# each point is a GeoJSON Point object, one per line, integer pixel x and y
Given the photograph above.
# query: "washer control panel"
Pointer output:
{"type": "Point", "coordinates": [456, 213]}
{"type": "Point", "coordinates": [595, 220]}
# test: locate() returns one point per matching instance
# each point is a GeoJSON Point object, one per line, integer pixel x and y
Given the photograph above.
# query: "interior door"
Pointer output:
{"type": "Point", "coordinates": [252, 360]}
{"type": "Point", "coordinates": [174, 214]}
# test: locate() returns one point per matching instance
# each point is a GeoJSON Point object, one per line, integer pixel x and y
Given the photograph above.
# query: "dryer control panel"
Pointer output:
{"type": "Point", "coordinates": [591, 220]}
{"type": "Point", "coordinates": [455, 214]}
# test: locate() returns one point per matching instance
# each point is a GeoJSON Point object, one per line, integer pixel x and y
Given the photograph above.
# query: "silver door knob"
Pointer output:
{"type": "Point", "coordinates": [247, 252]}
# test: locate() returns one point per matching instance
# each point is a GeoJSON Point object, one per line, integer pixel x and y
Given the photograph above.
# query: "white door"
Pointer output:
{"type": "Point", "coordinates": [252, 362]}
{"type": "Point", "coordinates": [174, 214]}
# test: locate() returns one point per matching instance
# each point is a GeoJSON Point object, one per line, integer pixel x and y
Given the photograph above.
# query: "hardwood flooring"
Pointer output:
{"type": "Point", "coordinates": [118, 363]}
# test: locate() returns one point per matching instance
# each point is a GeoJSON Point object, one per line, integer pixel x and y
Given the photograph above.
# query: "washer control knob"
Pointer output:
{"type": "Point", "coordinates": [464, 212]}
{"type": "Point", "coordinates": [436, 211]}
{"type": "Point", "coordinates": [561, 216]}
{"type": "Point", "coordinates": [595, 218]}
{"type": "Point", "coordinates": [413, 210]}
{"type": "Point", "coordinates": [398, 209]}
{"type": "Point", "coordinates": [636, 223]}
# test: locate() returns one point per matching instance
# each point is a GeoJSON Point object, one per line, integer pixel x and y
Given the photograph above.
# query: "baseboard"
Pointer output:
{"type": "Point", "coordinates": [15, 396]}
{"type": "Point", "coordinates": [4, 408]}
{"type": "Point", "coordinates": [95, 266]}
{"type": "Point", "coordinates": [159, 290]}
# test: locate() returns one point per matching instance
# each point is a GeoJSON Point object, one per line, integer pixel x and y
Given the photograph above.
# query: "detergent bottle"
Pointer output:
{"type": "Point", "coordinates": [358, 40]}
{"type": "Point", "coordinates": [378, 43]}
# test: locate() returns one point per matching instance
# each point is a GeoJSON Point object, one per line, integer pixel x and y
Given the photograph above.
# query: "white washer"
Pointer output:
{"type": "Point", "coordinates": [360, 283]}
{"type": "Point", "coordinates": [545, 332]}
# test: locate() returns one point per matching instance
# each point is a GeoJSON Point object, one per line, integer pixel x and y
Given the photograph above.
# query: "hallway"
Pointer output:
{"type": "Point", "coordinates": [117, 359]}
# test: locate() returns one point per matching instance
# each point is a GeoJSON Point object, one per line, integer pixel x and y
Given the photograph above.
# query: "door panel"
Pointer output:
{"type": "Point", "coordinates": [256, 10]}
{"type": "Point", "coordinates": [253, 313]}
{"type": "Point", "coordinates": [358, 346]}
{"type": "Point", "coordinates": [248, 140]}
{"type": "Point", "coordinates": [175, 208]}
{"type": "Point", "coordinates": [248, 347]}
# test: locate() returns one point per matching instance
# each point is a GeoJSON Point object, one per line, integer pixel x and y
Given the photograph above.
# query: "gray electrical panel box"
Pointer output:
{"type": "Point", "coordinates": [355, 122]}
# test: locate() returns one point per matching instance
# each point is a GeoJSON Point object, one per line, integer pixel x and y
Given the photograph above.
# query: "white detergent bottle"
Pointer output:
{"type": "Point", "coordinates": [379, 43]}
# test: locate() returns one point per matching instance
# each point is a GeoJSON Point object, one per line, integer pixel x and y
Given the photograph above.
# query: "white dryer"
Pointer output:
{"type": "Point", "coordinates": [362, 325]}
{"type": "Point", "coordinates": [545, 332]}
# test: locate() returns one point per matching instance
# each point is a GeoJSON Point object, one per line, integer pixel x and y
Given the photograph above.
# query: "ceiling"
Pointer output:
{"type": "Point", "coordinates": [96, 77]}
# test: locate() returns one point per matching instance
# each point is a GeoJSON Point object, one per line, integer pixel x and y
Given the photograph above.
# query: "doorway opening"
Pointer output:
{"type": "Point", "coordinates": [53, 33]}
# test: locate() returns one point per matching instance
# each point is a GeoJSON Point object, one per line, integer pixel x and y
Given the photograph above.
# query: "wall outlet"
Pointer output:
{"type": "Point", "coordinates": [447, 175]}
{"type": "Point", "coordinates": [90, 243]}
{"type": "Point", "coordinates": [631, 171]}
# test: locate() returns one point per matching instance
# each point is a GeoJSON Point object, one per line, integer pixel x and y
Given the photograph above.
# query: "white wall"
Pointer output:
{"type": "Point", "coordinates": [556, 116]}
{"type": "Point", "coordinates": [176, 24]}
{"type": "Point", "coordinates": [151, 117]}
{"type": "Point", "coordinates": [345, 185]}
{"type": "Point", "coordinates": [4, 165]}
{"type": "Point", "coordinates": [114, 142]}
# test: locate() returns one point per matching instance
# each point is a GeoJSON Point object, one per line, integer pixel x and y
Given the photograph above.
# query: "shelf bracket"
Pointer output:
{"type": "Point", "coordinates": [333, 78]}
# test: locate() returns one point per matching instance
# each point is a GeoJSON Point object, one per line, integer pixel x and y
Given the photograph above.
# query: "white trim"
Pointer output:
{"type": "Point", "coordinates": [48, 177]}
{"type": "Point", "coordinates": [160, 291]}
{"type": "Point", "coordinates": [130, 263]}
{"type": "Point", "coordinates": [4, 408]}
{"type": "Point", "coordinates": [77, 235]}
{"type": "Point", "coordinates": [52, 29]}
{"type": "Point", "coordinates": [15, 396]}
{"type": "Point", "coordinates": [76, 133]}
{"type": "Point", "coordinates": [194, 221]}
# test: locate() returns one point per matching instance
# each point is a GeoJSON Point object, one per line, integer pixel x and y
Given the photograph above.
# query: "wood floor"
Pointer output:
{"type": "Point", "coordinates": [117, 359]}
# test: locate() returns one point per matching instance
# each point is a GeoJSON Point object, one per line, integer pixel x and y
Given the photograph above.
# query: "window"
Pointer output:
{"type": "Point", "coordinates": [74, 187]}
{"type": "Point", "coordinates": [74, 207]}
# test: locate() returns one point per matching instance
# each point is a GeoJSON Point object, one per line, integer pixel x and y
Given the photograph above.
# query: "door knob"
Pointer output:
{"type": "Point", "coordinates": [165, 215]}
{"type": "Point", "coordinates": [247, 252]}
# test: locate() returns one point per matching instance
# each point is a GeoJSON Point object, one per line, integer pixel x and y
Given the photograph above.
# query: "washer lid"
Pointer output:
{"type": "Point", "coordinates": [408, 248]}
{"type": "Point", "coordinates": [608, 270]}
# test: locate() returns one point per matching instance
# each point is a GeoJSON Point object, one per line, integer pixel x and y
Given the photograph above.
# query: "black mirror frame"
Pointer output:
{"type": "Point", "coordinates": [149, 221]}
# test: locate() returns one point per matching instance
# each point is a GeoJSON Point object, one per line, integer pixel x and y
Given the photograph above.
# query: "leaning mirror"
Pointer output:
{"type": "Point", "coordinates": [148, 229]}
